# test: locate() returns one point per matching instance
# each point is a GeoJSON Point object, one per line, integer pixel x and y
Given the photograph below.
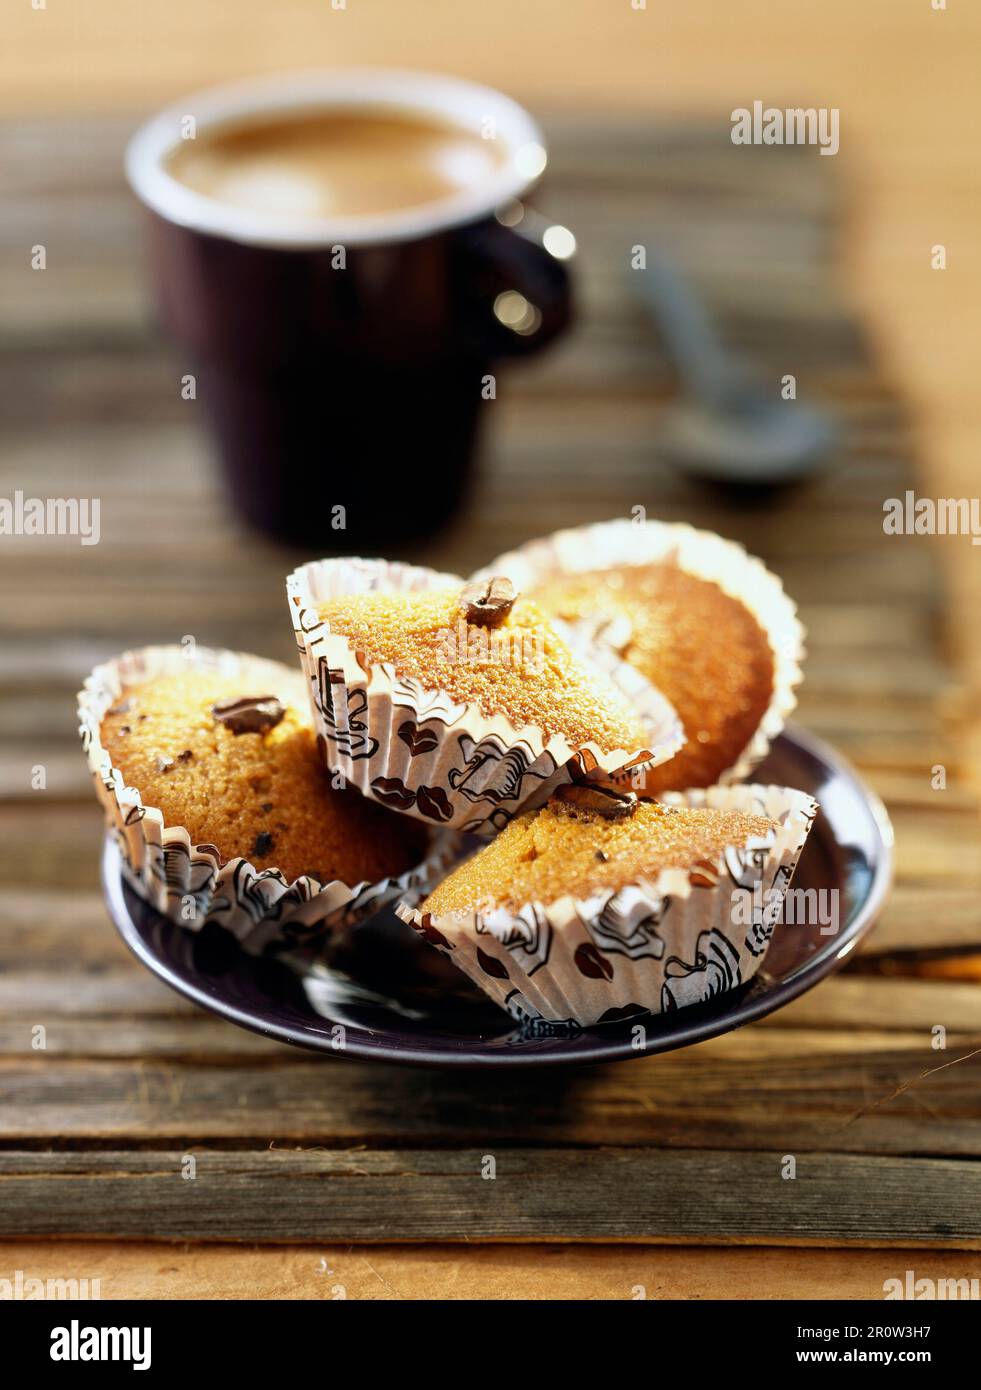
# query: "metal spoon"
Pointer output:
{"type": "Point", "coordinates": [727, 426]}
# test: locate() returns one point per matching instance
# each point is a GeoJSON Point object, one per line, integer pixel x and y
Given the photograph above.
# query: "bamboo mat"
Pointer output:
{"type": "Point", "coordinates": [886, 1131]}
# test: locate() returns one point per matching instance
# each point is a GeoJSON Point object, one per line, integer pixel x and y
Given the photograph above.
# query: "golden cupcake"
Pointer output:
{"type": "Point", "coordinates": [601, 905]}
{"type": "Point", "coordinates": [701, 647]}
{"type": "Point", "coordinates": [462, 704]}
{"type": "Point", "coordinates": [518, 667]}
{"type": "Point", "coordinates": [706, 624]}
{"type": "Point", "coordinates": [211, 773]}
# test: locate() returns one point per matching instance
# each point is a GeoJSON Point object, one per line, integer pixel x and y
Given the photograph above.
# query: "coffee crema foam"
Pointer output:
{"type": "Point", "coordinates": [335, 163]}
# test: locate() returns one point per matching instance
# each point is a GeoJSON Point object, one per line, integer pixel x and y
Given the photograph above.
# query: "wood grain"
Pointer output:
{"type": "Point", "coordinates": [886, 1130]}
{"type": "Point", "coordinates": [607, 1194]}
{"type": "Point", "coordinates": [137, 1269]}
{"type": "Point", "coordinates": [846, 1089]}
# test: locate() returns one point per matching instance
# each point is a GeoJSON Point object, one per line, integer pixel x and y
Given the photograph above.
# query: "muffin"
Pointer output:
{"type": "Point", "coordinates": [462, 704]}
{"type": "Point", "coordinates": [210, 770]}
{"type": "Point", "coordinates": [659, 617]}
{"type": "Point", "coordinates": [601, 904]}
{"type": "Point", "coordinates": [533, 678]}
{"type": "Point", "coordinates": [705, 623]}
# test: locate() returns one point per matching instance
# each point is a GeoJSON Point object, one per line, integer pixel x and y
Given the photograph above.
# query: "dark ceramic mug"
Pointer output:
{"type": "Point", "coordinates": [352, 381]}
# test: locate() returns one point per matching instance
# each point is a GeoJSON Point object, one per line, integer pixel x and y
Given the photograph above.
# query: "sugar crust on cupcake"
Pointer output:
{"type": "Point", "coordinates": [561, 850]}
{"type": "Point", "coordinates": [236, 764]}
{"type": "Point", "coordinates": [540, 681]}
{"type": "Point", "coordinates": [702, 648]}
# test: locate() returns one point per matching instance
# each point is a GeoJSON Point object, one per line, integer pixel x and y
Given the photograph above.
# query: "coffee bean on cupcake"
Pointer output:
{"type": "Point", "coordinates": [603, 904]}
{"type": "Point", "coordinates": [215, 791]}
{"type": "Point", "coordinates": [236, 764]}
{"type": "Point", "coordinates": [460, 703]}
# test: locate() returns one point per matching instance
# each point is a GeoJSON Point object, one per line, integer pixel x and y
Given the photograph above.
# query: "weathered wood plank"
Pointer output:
{"type": "Point", "coordinates": [800, 1089]}
{"type": "Point", "coordinates": [148, 1270]}
{"type": "Point", "coordinates": [923, 918]}
{"type": "Point", "coordinates": [608, 1194]}
{"type": "Point", "coordinates": [878, 1002]}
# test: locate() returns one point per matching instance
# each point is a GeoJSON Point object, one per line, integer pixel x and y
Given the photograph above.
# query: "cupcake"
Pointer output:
{"type": "Point", "coordinates": [462, 704]}
{"type": "Point", "coordinates": [700, 619]}
{"type": "Point", "coordinates": [601, 905]}
{"type": "Point", "coordinates": [208, 769]}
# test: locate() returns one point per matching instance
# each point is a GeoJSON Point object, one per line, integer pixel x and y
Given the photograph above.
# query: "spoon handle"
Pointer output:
{"type": "Point", "coordinates": [693, 344]}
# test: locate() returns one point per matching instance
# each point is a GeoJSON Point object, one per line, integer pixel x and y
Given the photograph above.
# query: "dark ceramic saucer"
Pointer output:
{"type": "Point", "coordinates": [381, 992]}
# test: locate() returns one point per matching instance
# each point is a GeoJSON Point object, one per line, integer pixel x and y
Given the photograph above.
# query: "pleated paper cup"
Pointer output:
{"type": "Point", "coordinates": [419, 751]}
{"type": "Point", "coordinates": [195, 884]}
{"type": "Point", "coordinates": [650, 947]}
{"type": "Point", "coordinates": [702, 554]}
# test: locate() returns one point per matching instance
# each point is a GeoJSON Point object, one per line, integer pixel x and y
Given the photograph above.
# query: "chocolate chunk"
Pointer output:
{"type": "Point", "coordinates": [185, 757]}
{"type": "Point", "coordinates": [264, 844]}
{"type": "Point", "coordinates": [250, 714]}
{"type": "Point", "coordinates": [266, 807]}
{"type": "Point", "coordinates": [488, 602]}
{"type": "Point", "coordinates": [600, 797]}
{"type": "Point", "coordinates": [602, 856]}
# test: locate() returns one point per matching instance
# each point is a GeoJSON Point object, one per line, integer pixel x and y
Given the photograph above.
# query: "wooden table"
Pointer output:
{"type": "Point", "coordinates": [682, 1149]}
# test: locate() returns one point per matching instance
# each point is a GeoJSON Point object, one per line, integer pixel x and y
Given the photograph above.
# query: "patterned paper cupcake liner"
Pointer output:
{"type": "Point", "coordinates": [420, 752]}
{"type": "Point", "coordinates": [648, 948]}
{"type": "Point", "coordinates": [703, 554]}
{"type": "Point", "coordinates": [195, 885]}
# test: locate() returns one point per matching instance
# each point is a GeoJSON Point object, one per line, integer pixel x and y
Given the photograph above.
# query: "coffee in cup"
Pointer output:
{"type": "Point", "coordinates": [333, 255]}
{"type": "Point", "coordinates": [343, 163]}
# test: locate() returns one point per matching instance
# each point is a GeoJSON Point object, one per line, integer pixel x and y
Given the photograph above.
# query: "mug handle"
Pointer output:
{"type": "Point", "coordinates": [522, 290]}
